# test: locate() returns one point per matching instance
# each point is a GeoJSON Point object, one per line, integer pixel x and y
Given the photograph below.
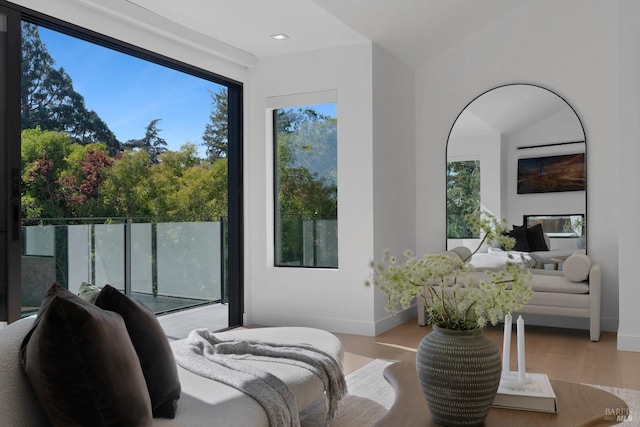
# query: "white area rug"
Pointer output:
{"type": "Point", "coordinates": [370, 395]}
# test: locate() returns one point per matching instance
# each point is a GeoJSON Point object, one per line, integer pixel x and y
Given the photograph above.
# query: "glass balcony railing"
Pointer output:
{"type": "Point", "coordinates": [306, 241]}
{"type": "Point", "coordinates": [168, 264]}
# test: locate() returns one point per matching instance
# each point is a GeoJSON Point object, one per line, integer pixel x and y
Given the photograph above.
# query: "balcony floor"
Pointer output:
{"type": "Point", "coordinates": [178, 324]}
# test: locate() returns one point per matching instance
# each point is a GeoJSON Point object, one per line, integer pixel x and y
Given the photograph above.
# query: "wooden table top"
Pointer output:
{"type": "Point", "coordinates": [578, 405]}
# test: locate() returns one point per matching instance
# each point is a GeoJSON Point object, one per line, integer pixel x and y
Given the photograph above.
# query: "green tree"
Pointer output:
{"type": "Point", "coordinates": [49, 101]}
{"type": "Point", "coordinates": [463, 197]}
{"type": "Point", "coordinates": [216, 132]}
{"type": "Point", "coordinates": [189, 188]}
{"type": "Point", "coordinates": [127, 189]}
{"type": "Point", "coordinates": [306, 174]}
{"type": "Point", "coordinates": [81, 183]}
{"type": "Point", "coordinates": [203, 192]}
{"type": "Point", "coordinates": [307, 168]}
{"type": "Point", "coordinates": [167, 177]}
{"type": "Point", "coordinates": [43, 158]}
{"type": "Point", "coordinates": [150, 142]}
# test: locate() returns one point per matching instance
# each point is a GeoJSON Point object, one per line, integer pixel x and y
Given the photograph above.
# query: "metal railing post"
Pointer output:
{"type": "Point", "coordinates": [223, 261]}
{"type": "Point", "coordinates": [127, 256]}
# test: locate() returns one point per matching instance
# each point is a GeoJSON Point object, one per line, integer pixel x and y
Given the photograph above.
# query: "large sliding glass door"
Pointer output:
{"type": "Point", "coordinates": [10, 296]}
{"type": "Point", "coordinates": [129, 167]}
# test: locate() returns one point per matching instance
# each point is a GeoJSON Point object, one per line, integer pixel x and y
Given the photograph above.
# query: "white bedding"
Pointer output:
{"type": "Point", "coordinates": [496, 258]}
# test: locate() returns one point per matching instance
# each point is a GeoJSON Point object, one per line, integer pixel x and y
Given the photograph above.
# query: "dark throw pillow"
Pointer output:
{"type": "Point", "coordinates": [535, 237]}
{"type": "Point", "coordinates": [148, 338]}
{"type": "Point", "coordinates": [82, 365]}
{"type": "Point", "coordinates": [520, 234]}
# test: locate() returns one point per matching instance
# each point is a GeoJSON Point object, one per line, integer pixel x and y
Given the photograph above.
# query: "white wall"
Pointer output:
{"type": "Point", "coordinates": [394, 180]}
{"type": "Point", "coordinates": [568, 47]}
{"type": "Point", "coordinates": [626, 174]}
{"type": "Point", "coordinates": [334, 299]}
{"type": "Point", "coordinates": [375, 134]}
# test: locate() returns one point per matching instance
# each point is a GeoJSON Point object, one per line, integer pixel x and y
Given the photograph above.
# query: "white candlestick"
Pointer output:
{"type": "Point", "coordinates": [521, 360]}
{"type": "Point", "coordinates": [506, 345]}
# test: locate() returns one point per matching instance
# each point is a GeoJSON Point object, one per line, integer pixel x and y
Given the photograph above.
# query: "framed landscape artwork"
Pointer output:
{"type": "Point", "coordinates": [551, 174]}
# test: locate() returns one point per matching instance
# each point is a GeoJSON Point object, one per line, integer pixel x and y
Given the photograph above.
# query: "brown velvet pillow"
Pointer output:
{"type": "Point", "coordinates": [151, 344]}
{"type": "Point", "coordinates": [82, 365]}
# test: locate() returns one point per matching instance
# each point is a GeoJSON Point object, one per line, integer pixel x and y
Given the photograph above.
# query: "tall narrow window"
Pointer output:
{"type": "Point", "coordinates": [463, 197]}
{"type": "Point", "coordinates": [306, 186]}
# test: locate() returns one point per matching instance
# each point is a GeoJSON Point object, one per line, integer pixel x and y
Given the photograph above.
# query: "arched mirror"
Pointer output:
{"type": "Point", "coordinates": [519, 152]}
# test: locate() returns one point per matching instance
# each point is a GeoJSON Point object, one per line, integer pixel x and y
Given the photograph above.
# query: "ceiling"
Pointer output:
{"type": "Point", "coordinates": [508, 109]}
{"type": "Point", "coordinates": [412, 30]}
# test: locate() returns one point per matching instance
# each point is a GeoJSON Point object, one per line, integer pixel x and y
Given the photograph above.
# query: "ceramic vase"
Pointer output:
{"type": "Point", "coordinates": [459, 372]}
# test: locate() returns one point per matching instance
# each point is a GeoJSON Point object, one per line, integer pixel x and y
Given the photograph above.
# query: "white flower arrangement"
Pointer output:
{"type": "Point", "coordinates": [454, 298]}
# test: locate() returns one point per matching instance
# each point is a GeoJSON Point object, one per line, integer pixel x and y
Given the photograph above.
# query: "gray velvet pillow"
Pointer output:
{"type": "Point", "coordinates": [82, 365]}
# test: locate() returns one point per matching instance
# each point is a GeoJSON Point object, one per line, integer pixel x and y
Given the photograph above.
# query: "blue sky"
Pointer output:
{"type": "Point", "coordinates": [127, 92]}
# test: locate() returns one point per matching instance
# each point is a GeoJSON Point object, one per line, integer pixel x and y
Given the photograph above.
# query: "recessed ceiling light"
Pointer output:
{"type": "Point", "coordinates": [280, 36]}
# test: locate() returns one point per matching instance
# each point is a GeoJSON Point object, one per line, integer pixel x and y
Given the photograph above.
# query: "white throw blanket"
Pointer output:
{"type": "Point", "coordinates": [208, 356]}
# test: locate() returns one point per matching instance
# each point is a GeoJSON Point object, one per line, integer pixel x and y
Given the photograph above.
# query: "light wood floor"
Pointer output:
{"type": "Point", "coordinates": [563, 354]}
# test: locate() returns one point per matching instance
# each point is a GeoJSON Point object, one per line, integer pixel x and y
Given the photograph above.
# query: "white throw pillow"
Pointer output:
{"type": "Point", "coordinates": [463, 252]}
{"type": "Point", "coordinates": [576, 268]}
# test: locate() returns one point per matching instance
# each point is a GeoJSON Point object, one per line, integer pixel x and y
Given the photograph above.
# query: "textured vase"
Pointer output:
{"type": "Point", "coordinates": [459, 373]}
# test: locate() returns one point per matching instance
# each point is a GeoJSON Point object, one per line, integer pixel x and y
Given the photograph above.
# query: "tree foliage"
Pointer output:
{"type": "Point", "coordinates": [306, 174]}
{"type": "Point", "coordinates": [463, 197]}
{"type": "Point", "coordinates": [49, 101]}
{"type": "Point", "coordinates": [216, 132]}
{"type": "Point", "coordinates": [63, 179]}
{"type": "Point", "coordinates": [150, 142]}
{"type": "Point", "coordinates": [43, 158]}
{"type": "Point", "coordinates": [307, 168]}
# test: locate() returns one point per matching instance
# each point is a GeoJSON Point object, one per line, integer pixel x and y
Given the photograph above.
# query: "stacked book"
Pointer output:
{"type": "Point", "coordinates": [536, 395]}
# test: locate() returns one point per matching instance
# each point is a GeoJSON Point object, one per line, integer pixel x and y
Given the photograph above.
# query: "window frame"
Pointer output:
{"type": "Point", "coordinates": [286, 102]}
{"type": "Point", "coordinates": [10, 290]}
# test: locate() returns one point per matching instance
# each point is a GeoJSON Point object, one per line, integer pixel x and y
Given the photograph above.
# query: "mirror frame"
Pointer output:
{"type": "Point", "coordinates": [584, 133]}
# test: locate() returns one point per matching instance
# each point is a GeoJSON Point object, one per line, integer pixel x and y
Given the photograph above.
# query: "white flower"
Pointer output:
{"type": "Point", "coordinates": [454, 299]}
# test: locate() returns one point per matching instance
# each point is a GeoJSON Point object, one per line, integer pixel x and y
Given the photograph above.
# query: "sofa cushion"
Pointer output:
{"type": "Point", "coordinates": [556, 303]}
{"type": "Point", "coordinates": [82, 365]}
{"type": "Point", "coordinates": [557, 284]}
{"type": "Point", "coordinates": [235, 408]}
{"type": "Point", "coordinates": [576, 268]}
{"type": "Point", "coordinates": [19, 405]}
{"type": "Point", "coordinates": [536, 238]}
{"type": "Point", "coordinates": [152, 346]}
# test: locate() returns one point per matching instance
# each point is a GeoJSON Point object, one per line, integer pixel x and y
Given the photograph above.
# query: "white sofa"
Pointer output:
{"type": "Point", "coordinates": [203, 402]}
{"type": "Point", "coordinates": [573, 292]}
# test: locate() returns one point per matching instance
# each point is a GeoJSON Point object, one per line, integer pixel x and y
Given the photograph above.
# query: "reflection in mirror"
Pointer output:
{"type": "Point", "coordinates": [495, 133]}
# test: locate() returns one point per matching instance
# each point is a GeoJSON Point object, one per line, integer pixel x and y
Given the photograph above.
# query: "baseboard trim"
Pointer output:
{"type": "Point", "coordinates": [390, 322]}
{"type": "Point", "coordinates": [628, 342]}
